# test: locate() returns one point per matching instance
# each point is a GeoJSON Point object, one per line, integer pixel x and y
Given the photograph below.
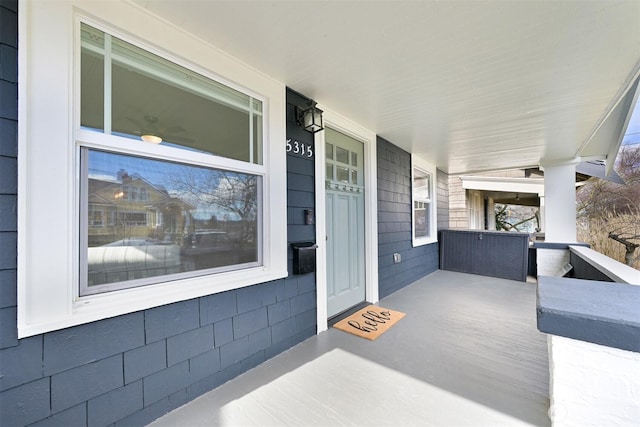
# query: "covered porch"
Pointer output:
{"type": "Point", "coordinates": [467, 353]}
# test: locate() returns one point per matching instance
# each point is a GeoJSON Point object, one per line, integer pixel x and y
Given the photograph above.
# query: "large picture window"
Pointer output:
{"type": "Point", "coordinates": [192, 220]}
{"type": "Point", "coordinates": [167, 220]}
{"type": "Point", "coordinates": [423, 203]}
{"type": "Point", "coordinates": [152, 167]}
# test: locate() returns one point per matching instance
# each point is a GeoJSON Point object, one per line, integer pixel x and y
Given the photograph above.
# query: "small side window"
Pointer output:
{"type": "Point", "coordinates": [423, 206]}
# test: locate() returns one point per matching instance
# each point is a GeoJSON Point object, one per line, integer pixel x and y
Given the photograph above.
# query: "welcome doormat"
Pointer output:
{"type": "Point", "coordinates": [370, 322]}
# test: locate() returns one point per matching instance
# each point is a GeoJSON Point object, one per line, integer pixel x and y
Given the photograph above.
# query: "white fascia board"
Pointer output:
{"type": "Point", "coordinates": [509, 185]}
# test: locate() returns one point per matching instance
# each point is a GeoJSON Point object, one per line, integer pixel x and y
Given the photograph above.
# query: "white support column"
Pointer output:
{"type": "Point", "coordinates": [560, 203]}
{"type": "Point", "coordinates": [543, 210]}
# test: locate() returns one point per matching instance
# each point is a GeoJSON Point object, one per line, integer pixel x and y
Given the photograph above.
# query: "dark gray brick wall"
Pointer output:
{"type": "Point", "coordinates": [132, 369]}
{"type": "Point", "coordinates": [394, 223]}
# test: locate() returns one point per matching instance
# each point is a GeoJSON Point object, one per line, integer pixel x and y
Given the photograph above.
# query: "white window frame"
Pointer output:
{"type": "Point", "coordinates": [49, 173]}
{"type": "Point", "coordinates": [424, 166]}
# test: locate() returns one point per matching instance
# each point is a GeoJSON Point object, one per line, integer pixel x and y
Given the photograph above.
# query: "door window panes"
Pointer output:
{"type": "Point", "coordinates": [342, 174]}
{"type": "Point", "coordinates": [329, 171]}
{"type": "Point", "coordinates": [342, 155]}
{"type": "Point", "coordinates": [344, 166]}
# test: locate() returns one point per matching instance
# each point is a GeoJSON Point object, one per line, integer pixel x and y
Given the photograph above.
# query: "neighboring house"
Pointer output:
{"type": "Point", "coordinates": [203, 237]}
{"type": "Point", "coordinates": [473, 206]}
{"type": "Point", "coordinates": [134, 229]}
{"type": "Point", "coordinates": [473, 197]}
{"type": "Point", "coordinates": [132, 208]}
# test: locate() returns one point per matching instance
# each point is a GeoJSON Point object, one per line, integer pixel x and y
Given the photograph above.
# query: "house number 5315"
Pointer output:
{"type": "Point", "coordinates": [295, 147]}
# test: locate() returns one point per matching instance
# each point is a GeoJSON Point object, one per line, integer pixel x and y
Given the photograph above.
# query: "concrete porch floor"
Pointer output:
{"type": "Point", "coordinates": [467, 354]}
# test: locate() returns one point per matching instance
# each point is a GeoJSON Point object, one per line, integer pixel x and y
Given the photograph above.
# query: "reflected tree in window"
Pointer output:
{"type": "Point", "coordinates": [225, 199]}
{"type": "Point", "coordinates": [188, 218]}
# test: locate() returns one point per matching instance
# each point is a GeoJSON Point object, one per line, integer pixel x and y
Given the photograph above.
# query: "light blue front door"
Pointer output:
{"type": "Point", "coordinates": [345, 221]}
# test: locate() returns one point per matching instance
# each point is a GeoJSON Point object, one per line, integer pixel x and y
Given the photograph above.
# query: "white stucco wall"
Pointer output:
{"type": "Point", "coordinates": [551, 261]}
{"type": "Point", "coordinates": [593, 385]}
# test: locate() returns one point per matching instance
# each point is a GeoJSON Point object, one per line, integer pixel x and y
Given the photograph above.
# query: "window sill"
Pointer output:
{"type": "Point", "coordinates": [97, 307]}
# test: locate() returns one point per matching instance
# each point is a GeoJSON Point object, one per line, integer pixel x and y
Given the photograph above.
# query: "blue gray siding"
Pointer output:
{"type": "Point", "coordinates": [394, 223]}
{"type": "Point", "coordinates": [131, 369]}
{"type": "Point", "coordinates": [8, 171]}
{"type": "Point", "coordinates": [583, 270]}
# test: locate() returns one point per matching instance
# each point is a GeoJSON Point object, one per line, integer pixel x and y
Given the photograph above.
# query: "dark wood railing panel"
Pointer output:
{"type": "Point", "coordinates": [487, 253]}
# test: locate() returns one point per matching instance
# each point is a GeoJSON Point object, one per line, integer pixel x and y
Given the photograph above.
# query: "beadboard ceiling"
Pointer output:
{"type": "Point", "coordinates": [469, 86]}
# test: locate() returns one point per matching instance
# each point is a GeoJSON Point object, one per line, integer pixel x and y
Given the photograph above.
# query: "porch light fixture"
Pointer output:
{"type": "Point", "coordinates": [310, 118]}
{"type": "Point", "coordinates": [151, 138]}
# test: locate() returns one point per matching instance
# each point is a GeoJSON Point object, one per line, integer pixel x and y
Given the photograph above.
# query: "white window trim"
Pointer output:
{"type": "Point", "coordinates": [48, 173]}
{"type": "Point", "coordinates": [417, 162]}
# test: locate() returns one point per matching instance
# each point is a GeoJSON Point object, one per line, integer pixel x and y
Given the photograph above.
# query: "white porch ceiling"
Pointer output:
{"type": "Point", "coordinates": [468, 86]}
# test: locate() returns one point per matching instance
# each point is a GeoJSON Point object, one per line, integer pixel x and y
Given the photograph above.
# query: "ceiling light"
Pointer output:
{"type": "Point", "coordinates": [151, 138]}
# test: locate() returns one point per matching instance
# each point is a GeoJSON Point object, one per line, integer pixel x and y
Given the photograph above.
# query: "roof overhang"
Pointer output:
{"type": "Point", "coordinates": [605, 140]}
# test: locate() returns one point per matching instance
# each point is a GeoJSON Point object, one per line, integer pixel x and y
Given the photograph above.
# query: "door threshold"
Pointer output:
{"type": "Point", "coordinates": [346, 313]}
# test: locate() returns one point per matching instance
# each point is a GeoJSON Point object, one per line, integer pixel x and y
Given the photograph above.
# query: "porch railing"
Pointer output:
{"type": "Point", "coordinates": [594, 340]}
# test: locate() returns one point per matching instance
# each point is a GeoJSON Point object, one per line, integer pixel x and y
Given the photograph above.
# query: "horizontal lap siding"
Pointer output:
{"type": "Point", "coordinates": [394, 223]}
{"type": "Point", "coordinates": [132, 369]}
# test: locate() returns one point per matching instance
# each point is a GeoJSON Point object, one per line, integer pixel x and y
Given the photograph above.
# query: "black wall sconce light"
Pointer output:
{"type": "Point", "coordinates": [310, 118]}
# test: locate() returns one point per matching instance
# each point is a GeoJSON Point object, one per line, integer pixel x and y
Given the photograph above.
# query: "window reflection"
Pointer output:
{"type": "Point", "coordinates": [148, 218]}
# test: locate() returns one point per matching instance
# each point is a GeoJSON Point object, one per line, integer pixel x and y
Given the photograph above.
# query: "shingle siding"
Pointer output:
{"type": "Point", "coordinates": [394, 223]}
{"type": "Point", "coordinates": [132, 369]}
{"type": "Point", "coordinates": [26, 403]}
{"type": "Point", "coordinates": [144, 361]}
{"type": "Point", "coordinates": [113, 406]}
{"type": "Point", "coordinates": [21, 364]}
{"type": "Point", "coordinates": [91, 342]}
{"type": "Point", "coordinates": [442, 197]}
{"type": "Point", "coordinates": [76, 385]}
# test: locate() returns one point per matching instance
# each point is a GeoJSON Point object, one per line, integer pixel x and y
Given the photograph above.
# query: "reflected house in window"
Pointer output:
{"type": "Point", "coordinates": [131, 211]}
{"type": "Point", "coordinates": [134, 230]}
{"type": "Point", "coordinates": [165, 221]}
